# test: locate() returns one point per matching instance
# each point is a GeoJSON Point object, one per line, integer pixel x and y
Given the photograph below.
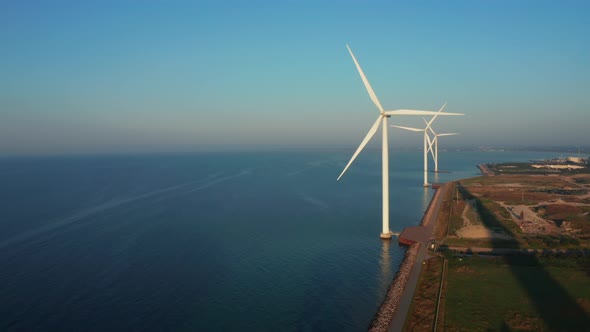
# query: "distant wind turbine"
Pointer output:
{"type": "Point", "coordinates": [427, 141]}
{"type": "Point", "coordinates": [382, 119]}
{"type": "Point", "coordinates": [435, 142]}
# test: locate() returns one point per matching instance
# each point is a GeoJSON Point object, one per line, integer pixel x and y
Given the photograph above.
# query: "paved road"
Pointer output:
{"type": "Point", "coordinates": [429, 220]}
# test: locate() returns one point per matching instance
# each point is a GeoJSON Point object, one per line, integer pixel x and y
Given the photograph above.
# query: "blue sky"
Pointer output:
{"type": "Point", "coordinates": [116, 76]}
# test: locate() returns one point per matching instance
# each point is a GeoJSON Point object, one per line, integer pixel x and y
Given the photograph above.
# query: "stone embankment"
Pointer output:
{"type": "Point", "coordinates": [423, 233]}
{"type": "Point", "coordinates": [385, 314]}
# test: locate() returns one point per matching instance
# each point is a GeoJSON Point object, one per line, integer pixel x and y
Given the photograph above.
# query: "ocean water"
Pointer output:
{"type": "Point", "coordinates": [265, 241]}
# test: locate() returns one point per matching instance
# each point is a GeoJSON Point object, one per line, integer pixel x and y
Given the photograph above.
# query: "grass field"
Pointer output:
{"type": "Point", "coordinates": [422, 311]}
{"type": "Point", "coordinates": [517, 293]}
{"type": "Point", "coordinates": [508, 293]}
{"type": "Point", "coordinates": [484, 243]}
{"type": "Point", "coordinates": [582, 179]}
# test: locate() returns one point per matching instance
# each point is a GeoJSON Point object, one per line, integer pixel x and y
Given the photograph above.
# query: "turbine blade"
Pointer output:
{"type": "Point", "coordinates": [448, 134]}
{"type": "Point", "coordinates": [408, 128]}
{"type": "Point", "coordinates": [362, 145]}
{"type": "Point", "coordinates": [366, 82]}
{"type": "Point", "coordinates": [417, 112]}
{"type": "Point", "coordinates": [434, 117]}
{"type": "Point", "coordinates": [432, 131]}
{"type": "Point", "coordinates": [428, 127]}
{"type": "Point", "coordinates": [443, 106]}
{"type": "Point", "coordinates": [428, 123]}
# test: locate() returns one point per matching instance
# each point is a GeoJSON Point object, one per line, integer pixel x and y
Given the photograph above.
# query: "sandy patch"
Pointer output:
{"type": "Point", "coordinates": [474, 229]}
{"type": "Point", "coordinates": [475, 232]}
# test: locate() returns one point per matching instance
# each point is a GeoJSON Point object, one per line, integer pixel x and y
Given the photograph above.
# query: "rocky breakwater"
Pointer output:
{"type": "Point", "coordinates": [385, 314]}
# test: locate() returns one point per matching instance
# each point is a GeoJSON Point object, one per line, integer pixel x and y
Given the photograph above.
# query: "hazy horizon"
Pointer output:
{"type": "Point", "coordinates": [156, 77]}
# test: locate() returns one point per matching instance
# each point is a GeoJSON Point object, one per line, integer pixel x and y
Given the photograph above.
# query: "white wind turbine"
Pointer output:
{"type": "Point", "coordinates": [427, 141]}
{"type": "Point", "coordinates": [435, 142]}
{"type": "Point", "coordinates": [382, 119]}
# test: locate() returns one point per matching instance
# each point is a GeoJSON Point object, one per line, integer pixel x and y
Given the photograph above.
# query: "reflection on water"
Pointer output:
{"type": "Point", "coordinates": [436, 178]}
{"type": "Point", "coordinates": [387, 273]}
{"type": "Point", "coordinates": [385, 263]}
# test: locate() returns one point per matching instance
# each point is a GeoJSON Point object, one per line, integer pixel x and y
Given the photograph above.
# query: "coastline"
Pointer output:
{"type": "Point", "coordinates": [387, 310]}
{"type": "Point", "coordinates": [392, 313]}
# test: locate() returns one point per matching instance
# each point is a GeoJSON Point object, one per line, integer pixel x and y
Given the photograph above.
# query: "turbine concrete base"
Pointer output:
{"type": "Point", "coordinates": [427, 185]}
{"type": "Point", "coordinates": [386, 236]}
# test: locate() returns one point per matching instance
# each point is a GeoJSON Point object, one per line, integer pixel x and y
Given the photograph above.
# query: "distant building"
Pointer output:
{"type": "Point", "coordinates": [576, 160]}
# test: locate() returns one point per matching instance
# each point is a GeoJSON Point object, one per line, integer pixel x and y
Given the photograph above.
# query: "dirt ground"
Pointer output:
{"type": "Point", "coordinates": [531, 223]}
{"type": "Point", "coordinates": [550, 204]}
{"type": "Point", "coordinates": [473, 228]}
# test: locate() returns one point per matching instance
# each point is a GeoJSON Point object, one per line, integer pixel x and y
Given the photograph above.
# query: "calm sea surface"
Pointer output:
{"type": "Point", "coordinates": [206, 242]}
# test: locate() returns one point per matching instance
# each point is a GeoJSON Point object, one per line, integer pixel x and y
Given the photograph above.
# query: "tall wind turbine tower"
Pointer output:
{"type": "Point", "coordinates": [382, 119]}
